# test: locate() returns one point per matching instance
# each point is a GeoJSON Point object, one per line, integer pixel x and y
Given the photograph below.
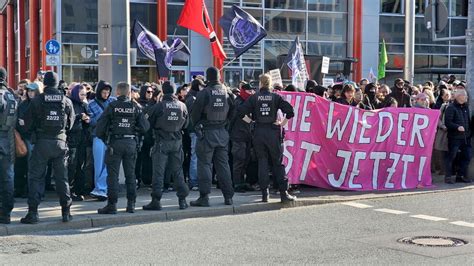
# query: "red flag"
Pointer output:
{"type": "Point", "coordinates": [195, 17]}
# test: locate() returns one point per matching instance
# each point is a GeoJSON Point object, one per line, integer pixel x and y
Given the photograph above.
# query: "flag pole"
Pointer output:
{"type": "Point", "coordinates": [230, 62]}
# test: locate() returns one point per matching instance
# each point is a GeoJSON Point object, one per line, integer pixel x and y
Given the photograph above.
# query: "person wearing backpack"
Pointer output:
{"type": "Point", "coordinates": [52, 115]}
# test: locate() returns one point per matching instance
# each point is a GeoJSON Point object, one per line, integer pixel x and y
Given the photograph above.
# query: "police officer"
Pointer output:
{"type": "Point", "coordinates": [263, 107]}
{"type": "Point", "coordinates": [168, 117]}
{"type": "Point", "coordinates": [52, 115]}
{"type": "Point", "coordinates": [8, 107]}
{"type": "Point", "coordinates": [211, 112]}
{"type": "Point", "coordinates": [120, 123]}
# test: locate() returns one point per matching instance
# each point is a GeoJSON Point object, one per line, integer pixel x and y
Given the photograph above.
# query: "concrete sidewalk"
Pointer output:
{"type": "Point", "coordinates": [85, 213]}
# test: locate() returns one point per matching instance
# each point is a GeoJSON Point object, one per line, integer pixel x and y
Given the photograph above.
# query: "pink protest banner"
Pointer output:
{"type": "Point", "coordinates": [334, 146]}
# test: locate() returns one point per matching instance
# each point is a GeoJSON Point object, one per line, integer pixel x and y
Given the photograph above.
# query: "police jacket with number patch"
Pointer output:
{"type": "Point", "coordinates": [52, 115]}
{"type": "Point", "coordinates": [8, 107]}
{"type": "Point", "coordinates": [213, 107]}
{"type": "Point", "coordinates": [121, 118]}
{"type": "Point", "coordinates": [168, 118]}
{"type": "Point", "coordinates": [264, 106]}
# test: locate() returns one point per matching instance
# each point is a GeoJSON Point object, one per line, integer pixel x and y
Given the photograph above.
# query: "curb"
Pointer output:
{"type": "Point", "coordinates": [122, 219]}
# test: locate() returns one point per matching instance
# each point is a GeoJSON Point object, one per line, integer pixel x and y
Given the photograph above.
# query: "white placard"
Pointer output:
{"type": "Point", "coordinates": [276, 76]}
{"type": "Point", "coordinates": [325, 65]}
{"type": "Point", "coordinates": [327, 82]}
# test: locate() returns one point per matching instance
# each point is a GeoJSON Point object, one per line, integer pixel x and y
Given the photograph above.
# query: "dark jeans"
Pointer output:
{"type": "Point", "coordinates": [144, 165]}
{"type": "Point", "coordinates": [455, 145]}
{"type": "Point", "coordinates": [241, 159]}
{"type": "Point", "coordinates": [76, 163]}
{"type": "Point", "coordinates": [21, 170]}
{"type": "Point", "coordinates": [121, 151]}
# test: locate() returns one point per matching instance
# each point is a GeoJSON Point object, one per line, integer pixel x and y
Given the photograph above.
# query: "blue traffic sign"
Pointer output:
{"type": "Point", "coordinates": [52, 47]}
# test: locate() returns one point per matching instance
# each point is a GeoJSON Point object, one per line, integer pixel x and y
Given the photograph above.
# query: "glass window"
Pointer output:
{"type": "Point", "coordinates": [392, 29]}
{"type": "Point", "coordinates": [286, 4]}
{"type": "Point", "coordinates": [252, 74]}
{"type": "Point", "coordinates": [327, 26]}
{"type": "Point", "coordinates": [395, 48]}
{"type": "Point", "coordinates": [173, 14]}
{"type": "Point", "coordinates": [458, 28]}
{"type": "Point", "coordinates": [80, 16]}
{"type": "Point", "coordinates": [252, 3]}
{"type": "Point", "coordinates": [391, 6]}
{"type": "Point", "coordinates": [79, 38]}
{"type": "Point", "coordinates": [327, 5]}
{"type": "Point", "coordinates": [327, 49]}
{"type": "Point", "coordinates": [141, 75]}
{"type": "Point", "coordinates": [178, 77]}
{"type": "Point", "coordinates": [232, 77]}
{"type": "Point", "coordinates": [441, 61]}
{"type": "Point", "coordinates": [423, 35]}
{"type": "Point", "coordinates": [231, 2]}
{"type": "Point", "coordinates": [80, 73]}
{"type": "Point", "coordinates": [79, 54]}
{"type": "Point", "coordinates": [461, 50]}
{"type": "Point", "coordinates": [285, 24]}
{"type": "Point", "coordinates": [459, 8]}
{"type": "Point", "coordinates": [458, 62]}
{"type": "Point", "coordinates": [430, 49]}
{"type": "Point", "coordinates": [420, 6]}
{"type": "Point", "coordinates": [276, 51]}
{"type": "Point", "coordinates": [145, 13]}
{"type": "Point", "coordinates": [395, 61]}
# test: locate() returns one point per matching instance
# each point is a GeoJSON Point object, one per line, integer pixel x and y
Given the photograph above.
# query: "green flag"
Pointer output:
{"type": "Point", "coordinates": [383, 60]}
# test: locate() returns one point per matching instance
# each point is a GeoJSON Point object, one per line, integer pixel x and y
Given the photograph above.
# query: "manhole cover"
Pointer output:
{"type": "Point", "coordinates": [433, 241]}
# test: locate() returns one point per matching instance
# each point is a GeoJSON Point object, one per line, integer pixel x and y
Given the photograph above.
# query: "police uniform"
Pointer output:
{"type": "Point", "coordinates": [52, 115]}
{"type": "Point", "coordinates": [8, 107]}
{"type": "Point", "coordinates": [210, 115]}
{"type": "Point", "coordinates": [119, 126]}
{"type": "Point", "coordinates": [263, 106]}
{"type": "Point", "coordinates": [168, 117]}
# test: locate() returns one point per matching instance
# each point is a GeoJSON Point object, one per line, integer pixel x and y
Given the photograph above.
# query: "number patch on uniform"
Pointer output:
{"type": "Point", "coordinates": [264, 109]}
{"type": "Point", "coordinates": [219, 103]}
{"type": "Point", "coordinates": [53, 116]}
{"type": "Point", "coordinates": [125, 123]}
{"type": "Point", "coordinates": [173, 116]}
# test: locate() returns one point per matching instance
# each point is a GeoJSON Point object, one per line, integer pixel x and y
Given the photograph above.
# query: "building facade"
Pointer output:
{"type": "Point", "coordinates": [335, 28]}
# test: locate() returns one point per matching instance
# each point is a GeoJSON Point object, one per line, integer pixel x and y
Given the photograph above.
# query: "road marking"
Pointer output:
{"type": "Point", "coordinates": [461, 223]}
{"type": "Point", "coordinates": [430, 218]}
{"type": "Point", "coordinates": [357, 205]}
{"type": "Point", "coordinates": [390, 211]}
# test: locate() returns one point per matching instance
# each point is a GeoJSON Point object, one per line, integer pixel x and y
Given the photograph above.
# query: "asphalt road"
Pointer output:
{"type": "Point", "coordinates": [355, 233]}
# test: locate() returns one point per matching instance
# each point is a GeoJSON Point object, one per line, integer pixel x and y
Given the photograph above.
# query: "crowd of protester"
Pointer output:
{"type": "Point", "coordinates": [87, 171]}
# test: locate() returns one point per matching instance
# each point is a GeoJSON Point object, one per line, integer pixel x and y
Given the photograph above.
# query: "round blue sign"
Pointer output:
{"type": "Point", "coordinates": [52, 47]}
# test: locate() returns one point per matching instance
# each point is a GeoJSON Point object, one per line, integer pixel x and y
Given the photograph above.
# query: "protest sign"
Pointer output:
{"type": "Point", "coordinates": [276, 76]}
{"type": "Point", "coordinates": [335, 146]}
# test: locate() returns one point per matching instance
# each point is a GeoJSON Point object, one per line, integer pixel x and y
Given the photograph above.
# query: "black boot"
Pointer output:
{"type": "Point", "coordinates": [4, 217]}
{"type": "Point", "coordinates": [202, 201]}
{"type": "Point", "coordinates": [182, 203]}
{"type": "Point", "coordinates": [110, 208]}
{"type": "Point", "coordinates": [154, 205]}
{"type": "Point", "coordinates": [130, 206]}
{"type": "Point", "coordinates": [285, 197]}
{"type": "Point", "coordinates": [31, 217]}
{"type": "Point", "coordinates": [265, 194]}
{"type": "Point", "coordinates": [66, 214]}
{"type": "Point", "coordinates": [228, 201]}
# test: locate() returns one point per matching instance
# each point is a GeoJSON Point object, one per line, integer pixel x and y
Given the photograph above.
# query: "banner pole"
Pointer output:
{"type": "Point", "coordinates": [230, 62]}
